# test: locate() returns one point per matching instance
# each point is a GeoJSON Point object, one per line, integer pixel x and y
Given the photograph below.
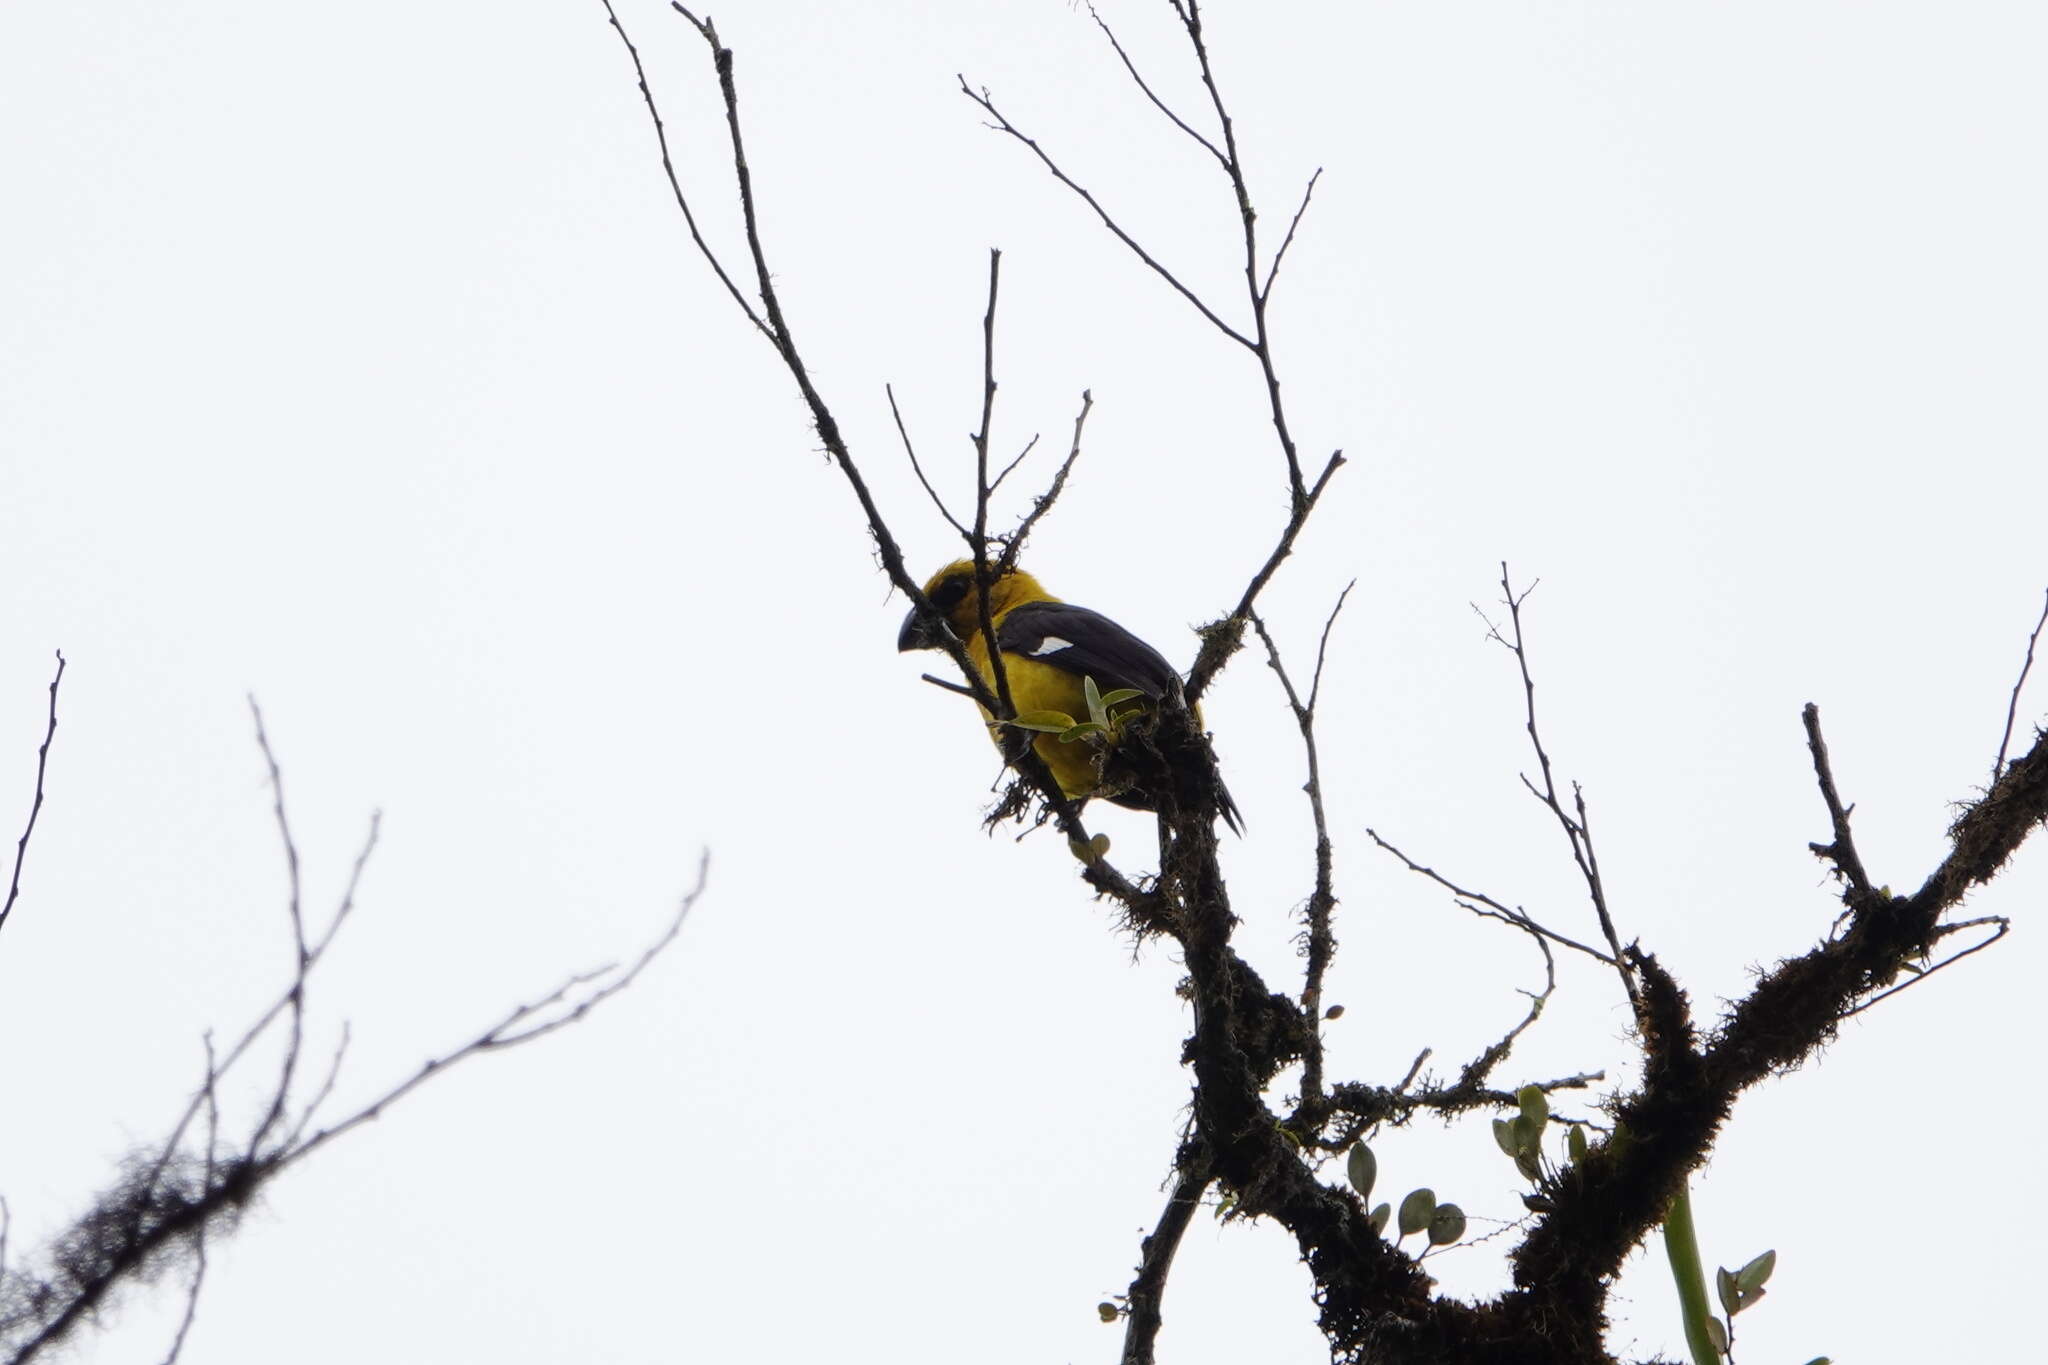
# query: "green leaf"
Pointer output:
{"type": "Point", "coordinates": [1052, 722]}
{"type": "Point", "coordinates": [1535, 1105]}
{"type": "Point", "coordinates": [1446, 1225]}
{"type": "Point", "coordinates": [1095, 850]}
{"type": "Point", "coordinates": [1106, 1311]}
{"type": "Point", "coordinates": [1529, 1166]}
{"type": "Point", "coordinates": [1086, 727]}
{"type": "Point", "coordinates": [1416, 1210]}
{"type": "Point", "coordinates": [1820, 1360]}
{"type": "Point", "coordinates": [1725, 1290]}
{"type": "Point", "coordinates": [1750, 1279]}
{"type": "Point", "coordinates": [1504, 1136]}
{"type": "Point", "coordinates": [1096, 712]}
{"type": "Point", "coordinates": [1362, 1169]}
{"type": "Point", "coordinates": [1525, 1134]}
{"type": "Point", "coordinates": [1120, 696]}
{"type": "Point", "coordinates": [1380, 1216]}
{"type": "Point", "coordinates": [1717, 1334]}
{"type": "Point", "coordinates": [1575, 1143]}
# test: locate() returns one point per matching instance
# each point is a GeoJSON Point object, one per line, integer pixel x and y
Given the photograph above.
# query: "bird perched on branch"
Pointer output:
{"type": "Point", "coordinates": [1076, 678]}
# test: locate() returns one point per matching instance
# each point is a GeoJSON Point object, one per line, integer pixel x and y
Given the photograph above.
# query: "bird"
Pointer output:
{"type": "Point", "coordinates": [1054, 653]}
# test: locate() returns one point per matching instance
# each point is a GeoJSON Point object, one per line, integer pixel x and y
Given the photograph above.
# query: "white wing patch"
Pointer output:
{"type": "Point", "coordinates": [1051, 644]}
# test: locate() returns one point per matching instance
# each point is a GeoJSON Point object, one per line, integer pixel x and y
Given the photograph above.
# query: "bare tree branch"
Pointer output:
{"type": "Point", "coordinates": [1191, 20]}
{"type": "Point", "coordinates": [1374, 1301]}
{"type": "Point", "coordinates": [2012, 707]}
{"type": "Point", "coordinates": [675, 184]}
{"type": "Point", "coordinates": [1273, 271]}
{"type": "Point", "coordinates": [1842, 851]}
{"type": "Point", "coordinates": [1011, 467]}
{"type": "Point", "coordinates": [1003, 124]}
{"type": "Point", "coordinates": [1356, 1109]}
{"type": "Point", "coordinates": [1222, 639]}
{"type": "Point", "coordinates": [1143, 1300]}
{"type": "Point", "coordinates": [984, 573]}
{"type": "Point", "coordinates": [197, 1284]}
{"type": "Point", "coordinates": [169, 1198]}
{"type": "Point", "coordinates": [1479, 1068]}
{"type": "Point", "coordinates": [1013, 543]}
{"type": "Point", "coordinates": [36, 807]}
{"type": "Point", "coordinates": [1577, 832]}
{"type": "Point", "coordinates": [296, 996]}
{"type": "Point", "coordinates": [1098, 873]}
{"type": "Point", "coordinates": [1479, 903]}
{"type": "Point", "coordinates": [1318, 942]}
{"type": "Point", "coordinates": [918, 469]}
{"type": "Point", "coordinates": [2000, 926]}
{"type": "Point", "coordinates": [1157, 103]}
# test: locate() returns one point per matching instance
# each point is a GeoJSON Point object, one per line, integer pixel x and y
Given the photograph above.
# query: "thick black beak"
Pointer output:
{"type": "Point", "coordinates": [915, 634]}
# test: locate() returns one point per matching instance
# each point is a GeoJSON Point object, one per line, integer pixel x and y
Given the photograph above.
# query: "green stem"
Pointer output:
{"type": "Point", "coordinates": [1682, 1245]}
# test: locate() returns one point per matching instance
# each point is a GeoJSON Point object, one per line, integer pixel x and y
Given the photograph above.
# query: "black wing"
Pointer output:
{"type": "Point", "coordinates": [1077, 640]}
{"type": "Point", "coordinates": [1088, 644]}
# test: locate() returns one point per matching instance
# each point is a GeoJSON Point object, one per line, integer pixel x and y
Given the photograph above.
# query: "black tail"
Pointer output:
{"type": "Point", "coordinates": [1227, 808]}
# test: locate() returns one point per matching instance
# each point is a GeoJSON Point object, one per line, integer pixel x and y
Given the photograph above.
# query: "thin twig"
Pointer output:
{"type": "Point", "coordinates": [198, 1281]}
{"type": "Point", "coordinates": [522, 1024]}
{"type": "Point", "coordinates": [1003, 124]}
{"type": "Point", "coordinates": [1223, 642]}
{"type": "Point", "coordinates": [1272, 272]}
{"type": "Point", "coordinates": [262, 1023]}
{"type": "Point", "coordinates": [984, 574]}
{"type": "Point", "coordinates": [2002, 926]}
{"type": "Point", "coordinates": [2012, 707]}
{"type": "Point", "coordinates": [1013, 543]}
{"type": "Point", "coordinates": [1479, 1068]}
{"type": "Point", "coordinates": [1011, 467]}
{"type": "Point", "coordinates": [303, 959]}
{"type": "Point", "coordinates": [675, 184]}
{"type": "Point", "coordinates": [1315, 686]}
{"type": "Point", "coordinates": [1493, 909]}
{"type": "Point", "coordinates": [1157, 103]}
{"type": "Point", "coordinates": [911, 451]}
{"type": "Point", "coordinates": [1576, 833]}
{"type": "Point", "coordinates": [1191, 20]}
{"type": "Point", "coordinates": [320, 1096]}
{"type": "Point", "coordinates": [36, 807]}
{"type": "Point", "coordinates": [355, 881]}
{"type": "Point", "coordinates": [1319, 943]}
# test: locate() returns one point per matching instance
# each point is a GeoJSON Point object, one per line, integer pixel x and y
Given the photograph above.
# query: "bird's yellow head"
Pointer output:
{"type": "Point", "coordinates": [953, 592]}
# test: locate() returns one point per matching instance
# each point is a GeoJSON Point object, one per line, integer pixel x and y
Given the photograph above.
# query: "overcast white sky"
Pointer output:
{"type": "Point", "coordinates": [355, 357]}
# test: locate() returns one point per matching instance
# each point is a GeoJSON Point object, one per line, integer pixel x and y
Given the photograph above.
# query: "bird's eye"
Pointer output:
{"type": "Point", "coordinates": [948, 594]}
